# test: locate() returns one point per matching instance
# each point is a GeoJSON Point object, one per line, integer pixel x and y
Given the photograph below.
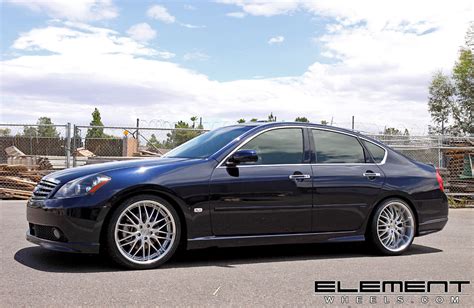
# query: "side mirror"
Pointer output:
{"type": "Point", "coordinates": [243, 156]}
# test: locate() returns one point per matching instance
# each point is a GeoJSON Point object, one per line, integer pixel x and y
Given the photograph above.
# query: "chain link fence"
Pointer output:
{"type": "Point", "coordinates": [27, 152]}
{"type": "Point", "coordinates": [97, 144]}
{"type": "Point", "coordinates": [453, 156]}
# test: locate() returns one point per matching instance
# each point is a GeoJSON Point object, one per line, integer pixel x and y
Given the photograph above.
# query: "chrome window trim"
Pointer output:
{"type": "Point", "coordinates": [386, 151]}
{"type": "Point", "coordinates": [220, 165]}
{"type": "Point", "coordinates": [357, 137]}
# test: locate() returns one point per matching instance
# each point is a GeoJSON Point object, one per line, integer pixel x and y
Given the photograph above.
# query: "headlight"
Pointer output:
{"type": "Point", "coordinates": [79, 187]}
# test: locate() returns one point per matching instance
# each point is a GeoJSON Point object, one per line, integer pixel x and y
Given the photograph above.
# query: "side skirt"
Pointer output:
{"type": "Point", "coordinates": [273, 239]}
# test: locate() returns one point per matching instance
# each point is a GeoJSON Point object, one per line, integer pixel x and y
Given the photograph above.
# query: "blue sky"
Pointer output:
{"type": "Point", "coordinates": [231, 48]}
{"type": "Point", "coordinates": [227, 59]}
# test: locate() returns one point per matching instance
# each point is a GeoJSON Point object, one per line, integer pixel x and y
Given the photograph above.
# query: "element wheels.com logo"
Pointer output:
{"type": "Point", "coordinates": [392, 292]}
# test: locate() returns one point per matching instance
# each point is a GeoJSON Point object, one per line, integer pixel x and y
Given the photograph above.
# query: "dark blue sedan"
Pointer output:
{"type": "Point", "coordinates": [259, 184]}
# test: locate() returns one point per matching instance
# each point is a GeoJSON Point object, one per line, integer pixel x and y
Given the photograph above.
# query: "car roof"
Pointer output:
{"type": "Point", "coordinates": [305, 124]}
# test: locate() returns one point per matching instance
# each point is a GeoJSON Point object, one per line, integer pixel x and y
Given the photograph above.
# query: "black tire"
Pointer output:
{"type": "Point", "coordinates": [372, 234]}
{"type": "Point", "coordinates": [111, 246]}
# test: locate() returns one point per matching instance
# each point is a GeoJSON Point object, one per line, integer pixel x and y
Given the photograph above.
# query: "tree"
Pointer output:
{"type": "Point", "coordinates": [302, 119]}
{"type": "Point", "coordinates": [440, 100]}
{"type": "Point", "coordinates": [45, 128]}
{"type": "Point", "coordinates": [463, 77]}
{"type": "Point", "coordinates": [240, 121]}
{"type": "Point", "coordinates": [96, 132]}
{"type": "Point", "coordinates": [194, 119]}
{"type": "Point", "coordinates": [200, 126]}
{"type": "Point", "coordinates": [324, 122]}
{"type": "Point", "coordinates": [253, 120]}
{"type": "Point", "coordinates": [470, 36]}
{"type": "Point", "coordinates": [271, 117]}
{"type": "Point", "coordinates": [452, 99]}
{"type": "Point", "coordinates": [392, 131]}
{"type": "Point", "coordinates": [153, 143]}
{"type": "Point", "coordinates": [30, 131]}
{"type": "Point", "coordinates": [181, 134]}
{"type": "Point", "coordinates": [5, 132]}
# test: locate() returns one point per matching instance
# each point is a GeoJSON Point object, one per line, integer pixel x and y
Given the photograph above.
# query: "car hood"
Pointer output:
{"type": "Point", "coordinates": [66, 175]}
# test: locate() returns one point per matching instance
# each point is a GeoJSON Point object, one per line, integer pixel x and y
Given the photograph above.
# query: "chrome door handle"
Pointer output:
{"type": "Point", "coordinates": [371, 174]}
{"type": "Point", "coordinates": [299, 176]}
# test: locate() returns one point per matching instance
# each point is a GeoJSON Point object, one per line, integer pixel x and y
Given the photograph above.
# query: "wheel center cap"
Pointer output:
{"type": "Point", "coordinates": [146, 231]}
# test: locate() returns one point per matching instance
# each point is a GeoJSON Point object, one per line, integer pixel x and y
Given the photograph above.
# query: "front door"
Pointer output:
{"type": "Point", "coordinates": [270, 196]}
{"type": "Point", "coordinates": [346, 181]}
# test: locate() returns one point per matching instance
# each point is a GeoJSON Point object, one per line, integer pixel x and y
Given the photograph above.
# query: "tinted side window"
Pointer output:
{"type": "Point", "coordinates": [278, 146]}
{"type": "Point", "coordinates": [332, 147]}
{"type": "Point", "coordinates": [377, 152]}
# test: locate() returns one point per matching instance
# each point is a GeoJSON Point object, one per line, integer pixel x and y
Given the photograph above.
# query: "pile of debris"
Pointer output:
{"type": "Point", "coordinates": [18, 181]}
{"type": "Point", "coordinates": [19, 177]}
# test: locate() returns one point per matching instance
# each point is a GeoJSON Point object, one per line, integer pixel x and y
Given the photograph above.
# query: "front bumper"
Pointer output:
{"type": "Point", "coordinates": [63, 246]}
{"type": "Point", "coordinates": [79, 226]}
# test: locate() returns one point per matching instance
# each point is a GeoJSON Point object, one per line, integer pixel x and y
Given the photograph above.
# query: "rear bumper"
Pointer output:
{"type": "Point", "coordinates": [432, 226]}
{"type": "Point", "coordinates": [433, 215]}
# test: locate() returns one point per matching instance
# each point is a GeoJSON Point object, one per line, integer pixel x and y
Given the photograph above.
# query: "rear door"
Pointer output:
{"type": "Point", "coordinates": [346, 181]}
{"type": "Point", "coordinates": [270, 196]}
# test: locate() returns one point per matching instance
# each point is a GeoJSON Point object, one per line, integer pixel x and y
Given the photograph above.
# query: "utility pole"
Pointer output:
{"type": "Point", "coordinates": [352, 122]}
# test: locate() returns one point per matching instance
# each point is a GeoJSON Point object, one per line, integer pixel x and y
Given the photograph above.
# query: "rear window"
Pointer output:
{"type": "Point", "coordinates": [333, 147]}
{"type": "Point", "coordinates": [378, 153]}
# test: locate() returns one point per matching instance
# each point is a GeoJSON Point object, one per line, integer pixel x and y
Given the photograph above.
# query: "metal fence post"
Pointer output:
{"type": "Point", "coordinates": [68, 145]}
{"type": "Point", "coordinates": [440, 157]}
{"type": "Point", "coordinates": [74, 146]}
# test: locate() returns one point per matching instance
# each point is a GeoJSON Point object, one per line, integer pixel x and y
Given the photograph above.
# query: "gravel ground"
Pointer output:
{"type": "Point", "coordinates": [254, 276]}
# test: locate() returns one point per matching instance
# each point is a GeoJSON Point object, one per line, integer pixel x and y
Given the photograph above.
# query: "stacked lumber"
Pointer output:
{"type": "Point", "coordinates": [83, 152]}
{"type": "Point", "coordinates": [44, 163]}
{"type": "Point", "coordinates": [14, 151]}
{"type": "Point", "coordinates": [18, 181]}
{"type": "Point", "coordinates": [146, 153]}
{"type": "Point", "coordinates": [8, 193]}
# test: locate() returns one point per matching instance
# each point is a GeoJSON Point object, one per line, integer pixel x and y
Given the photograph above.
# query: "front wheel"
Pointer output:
{"type": "Point", "coordinates": [393, 227]}
{"type": "Point", "coordinates": [144, 232]}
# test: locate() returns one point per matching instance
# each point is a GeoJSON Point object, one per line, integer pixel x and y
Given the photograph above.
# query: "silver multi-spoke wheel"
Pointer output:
{"type": "Point", "coordinates": [395, 226]}
{"type": "Point", "coordinates": [145, 232]}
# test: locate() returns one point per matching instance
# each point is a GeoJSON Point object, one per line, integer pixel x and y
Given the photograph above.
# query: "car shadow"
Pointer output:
{"type": "Point", "coordinates": [51, 261]}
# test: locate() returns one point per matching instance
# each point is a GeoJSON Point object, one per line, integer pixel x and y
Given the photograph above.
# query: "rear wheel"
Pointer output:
{"type": "Point", "coordinates": [143, 232]}
{"type": "Point", "coordinates": [393, 227]}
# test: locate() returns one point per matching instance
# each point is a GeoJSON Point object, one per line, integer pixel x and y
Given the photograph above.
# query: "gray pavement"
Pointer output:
{"type": "Point", "coordinates": [269, 276]}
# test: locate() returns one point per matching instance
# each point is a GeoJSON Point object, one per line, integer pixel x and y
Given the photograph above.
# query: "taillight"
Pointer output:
{"type": "Point", "coordinates": [440, 180]}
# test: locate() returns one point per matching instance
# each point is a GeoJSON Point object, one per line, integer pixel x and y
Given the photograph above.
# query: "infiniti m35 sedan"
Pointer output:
{"type": "Point", "coordinates": [258, 184]}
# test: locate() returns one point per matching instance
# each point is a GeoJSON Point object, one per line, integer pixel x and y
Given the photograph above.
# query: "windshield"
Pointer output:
{"type": "Point", "coordinates": [209, 143]}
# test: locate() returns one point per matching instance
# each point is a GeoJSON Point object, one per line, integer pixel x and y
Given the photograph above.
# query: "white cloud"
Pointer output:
{"type": "Point", "coordinates": [236, 14]}
{"type": "Point", "coordinates": [385, 57]}
{"type": "Point", "coordinates": [165, 54]}
{"type": "Point", "coordinates": [141, 32]}
{"type": "Point", "coordinates": [196, 56]}
{"type": "Point", "coordinates": [70, 38]}
{"type": "Point", "coordinates": [265, 8]}
{"type": "Point", "coordinates": [75, 10]}
{"type": "Point", "coordinates": [276, 40]}
{"type": "Point", "coordinates": [159, 12]}
{"type": "Point", "coordinates": [189, 7]}
{"type": "Point", "coordinates": [190, 26]}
